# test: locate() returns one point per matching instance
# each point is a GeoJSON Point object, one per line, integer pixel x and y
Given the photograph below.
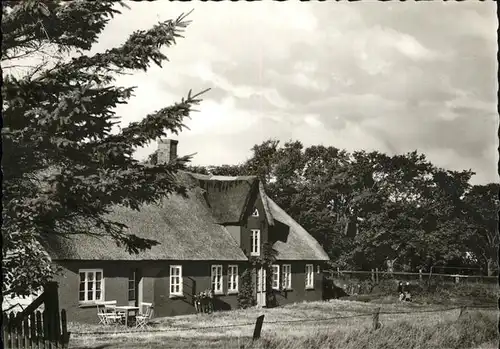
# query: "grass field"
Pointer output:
{"type": "Point", "coordinates": [334, 324]}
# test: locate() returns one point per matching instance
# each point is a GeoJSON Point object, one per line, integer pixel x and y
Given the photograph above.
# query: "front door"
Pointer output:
{"type": "Point", "coordinates": [261, 287]}
{"type": "Point", "coordinates": [135, 288]}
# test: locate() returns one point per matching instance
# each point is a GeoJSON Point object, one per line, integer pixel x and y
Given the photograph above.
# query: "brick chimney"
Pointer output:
{"type": "Point", "coordinates": [167, 150]}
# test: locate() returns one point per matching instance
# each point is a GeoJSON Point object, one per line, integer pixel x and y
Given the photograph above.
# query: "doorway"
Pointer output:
{"type": "Point", "coordinates": [261, 287]}
{"type": "Point", "coordinates": [135, 289]}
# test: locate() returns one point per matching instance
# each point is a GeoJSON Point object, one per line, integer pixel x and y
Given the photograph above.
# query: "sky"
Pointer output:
{"type": "Point", "coordinates": [392, 77]}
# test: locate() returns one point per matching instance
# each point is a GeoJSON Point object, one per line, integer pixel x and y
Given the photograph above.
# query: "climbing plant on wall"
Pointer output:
{"type": "Point", "coordinates": [246, 296]}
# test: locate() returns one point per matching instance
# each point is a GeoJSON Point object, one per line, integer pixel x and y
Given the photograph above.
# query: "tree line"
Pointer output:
{"type": "Point", "coordinates": [370, 209]}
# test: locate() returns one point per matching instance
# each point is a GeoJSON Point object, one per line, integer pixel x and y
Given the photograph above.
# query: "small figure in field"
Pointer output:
{"type": "Point", "coordinates": [407, 296]}
{"type": "Point", "coordinates": [400, 287]}
{"type": "Point", "coordinates": [400, 291]}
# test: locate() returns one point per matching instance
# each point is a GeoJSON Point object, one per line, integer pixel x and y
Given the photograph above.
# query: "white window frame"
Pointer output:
{"type": "Point", "coordinates": [309, 276]}
{"type": "Point", "coordinates": [232, 278]}
{"type": "Point", "coordinates": [255, 213]}
{"type": "Point", "coordinates": [261, 280]}
{"type": "Point", "coordinates": [134, 286]}
{"type": "Point", "coordinates": [276, 276]}
{"type": "Point", "coordinates": [218, 274]}
{"type": "Point", "coordinates": [286, 271]}
{"type": "Point", "coordinates": [94, 289]}
{"type": "Point", "coordinates": [172, 291]}
{"type": "Point", "coordinates": [255, 242]}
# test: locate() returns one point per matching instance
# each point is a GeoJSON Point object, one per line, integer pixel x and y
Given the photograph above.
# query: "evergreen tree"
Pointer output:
{"type": "Point", "coordinates": [64, 165]}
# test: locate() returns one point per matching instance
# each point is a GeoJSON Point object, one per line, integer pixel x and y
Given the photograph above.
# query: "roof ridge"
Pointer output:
{"type": "Point", "coordinates": [265, 203]}
{"type": "Point", "coordinates": [218, 177]}
{"type": "Point", "coordinates": [307, 237]}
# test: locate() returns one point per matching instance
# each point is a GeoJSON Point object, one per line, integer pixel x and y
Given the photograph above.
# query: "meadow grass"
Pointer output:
{"type": "Point", "coordinates": [476, 329]}
{"type": "Point", "coordinates": [305, 326]}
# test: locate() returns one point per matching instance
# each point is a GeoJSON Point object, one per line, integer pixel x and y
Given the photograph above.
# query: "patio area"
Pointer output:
{"type": "Point", "coordinates": [111, 314]}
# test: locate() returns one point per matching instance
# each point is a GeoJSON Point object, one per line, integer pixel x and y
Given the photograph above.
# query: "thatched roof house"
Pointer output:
{"type": "Point", "coordinates": [206, 240]}
{"type": "Point", "coordinates": [194, 227]}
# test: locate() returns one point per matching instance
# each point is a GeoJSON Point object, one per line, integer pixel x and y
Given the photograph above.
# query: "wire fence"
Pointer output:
{"type": "Point", "coordinates": [350, 279]}
{"type": "Point", "coordinates": [283, 322]}
{"type": "Point", "coordinates": [434, 275]}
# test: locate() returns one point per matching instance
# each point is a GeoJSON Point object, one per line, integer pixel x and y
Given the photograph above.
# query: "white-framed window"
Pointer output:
{"type": "Point", "coordinates": [232, 278]}
{"type": "Point", "coordinates": [91, 285]}
{"type": "Point", "coordinates": [309, 276]}
{"type": "Point", "coordinates": [255, 242]}
{"type": "Point", "coordinates": [176, 280]}
{"type": "Point", "coordinates": [217, 279]}
{"type": "Point", "coordinates": [132, 285]}
{"type": "Point", "coordinates": [276, 276]}
{"type": "Point", "coordinates": [255, 213]}
{"type": "Point", "coordinates": [318, 269]}
{"type": "Point", "coordinates": [286, 279]}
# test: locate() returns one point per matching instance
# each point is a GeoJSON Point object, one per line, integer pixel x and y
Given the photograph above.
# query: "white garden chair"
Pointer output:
{"type": "Point", "coordinates": [142, 320]}
{"type": "Point", "coordinates": [101, 314]}
{"type": "Point", "coordinates": [107, 314]}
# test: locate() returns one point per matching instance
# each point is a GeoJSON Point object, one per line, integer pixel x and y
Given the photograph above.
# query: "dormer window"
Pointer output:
{"type": "Point", "coordinates": [255, 213]}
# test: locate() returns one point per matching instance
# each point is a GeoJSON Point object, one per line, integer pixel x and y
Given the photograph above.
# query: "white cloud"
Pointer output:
{"type": "Point", "coordinates": [313, 121]}
{"type": "Point", "coordinates": [354, 75]}
{"type": "Point", "coordinates": [220, 118]}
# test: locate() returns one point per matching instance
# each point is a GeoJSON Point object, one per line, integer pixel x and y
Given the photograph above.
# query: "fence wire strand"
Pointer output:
{"type": "Point", "coordinates": [200, 328]}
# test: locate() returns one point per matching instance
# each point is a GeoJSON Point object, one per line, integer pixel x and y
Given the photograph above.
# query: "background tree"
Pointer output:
{"type": "Point", "coordinates": [482, 240]}
{"type": "Point", "coordinates": [64, 164]}
{"type": "Point", "coordinates": [223, 170]}
{"type": "Point", "coordinates": [369, 209]}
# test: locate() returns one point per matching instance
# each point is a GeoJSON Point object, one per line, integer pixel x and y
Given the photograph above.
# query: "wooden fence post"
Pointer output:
{"type": "Point", "coordinates": [57, 328]}
{"type": "Point", "coordinates": [463, 309]}
{"type": "Point", "coordinates": [52, 308]}
{"type": "Point", "coordinates": [46, 329]}
{"type": "Point", "coordinates": [10, 329]}
{"type": "Point", "coordinates": [5, 331]}
{"type": "Point", "coordinates": [373, 275]}
{"type": "Point", "coordinates": [64, 329]}
{"type": "Point", "coordinates": [258, 327]}
{"type": "Point", "coordinates": [39, 329]}
{"type": "Point", "coordinates": [376, 323]}
{"type": "Point", "coordinates": [420, 275]}
{"type": "Point", "coordinates": [376, 275]}
{"type": "Point", "coordinates": [26, 333]}
{"type": "Point", "coordinates": [19, 333]}
{"type": "Point", "coordinates": [33, 330]}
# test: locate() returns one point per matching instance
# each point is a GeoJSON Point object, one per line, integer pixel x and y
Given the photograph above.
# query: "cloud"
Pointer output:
{"type": "Point", "coordinates": [388, 76]}
{"type": "Point", "coordinates": [220, 118]}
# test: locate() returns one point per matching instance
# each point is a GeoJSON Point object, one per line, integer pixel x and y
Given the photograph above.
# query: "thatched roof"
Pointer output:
{"type": "Point", "coordinates": [298, 244]}
{"type": "Point", "coordinates": [193, 227]}
{"type": "Point", "coordinates": [265, 203]}
{"type": "Point", "coordinates": [184, 227]}
{"type": "Point", "coordinates": [230, 197]}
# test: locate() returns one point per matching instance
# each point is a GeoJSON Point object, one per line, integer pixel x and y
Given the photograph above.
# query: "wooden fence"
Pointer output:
{"type": "Point", "coordinates": [38, 330]}
{"type": "Point", "coordinates": [32, 328]}
{"type": "Point", "coordinates": [376, 275]}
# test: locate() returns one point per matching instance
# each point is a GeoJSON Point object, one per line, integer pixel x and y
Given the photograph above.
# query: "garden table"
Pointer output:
{"type": "Point", "coordinates": [127, 309]}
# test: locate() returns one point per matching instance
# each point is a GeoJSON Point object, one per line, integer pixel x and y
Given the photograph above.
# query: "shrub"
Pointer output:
{"type": "Point", "coordinates": [246, 297]}
{"type": "Point", "coordinates": [330, 290]}
{"type": "Point", "coordinates": [204, 301]}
